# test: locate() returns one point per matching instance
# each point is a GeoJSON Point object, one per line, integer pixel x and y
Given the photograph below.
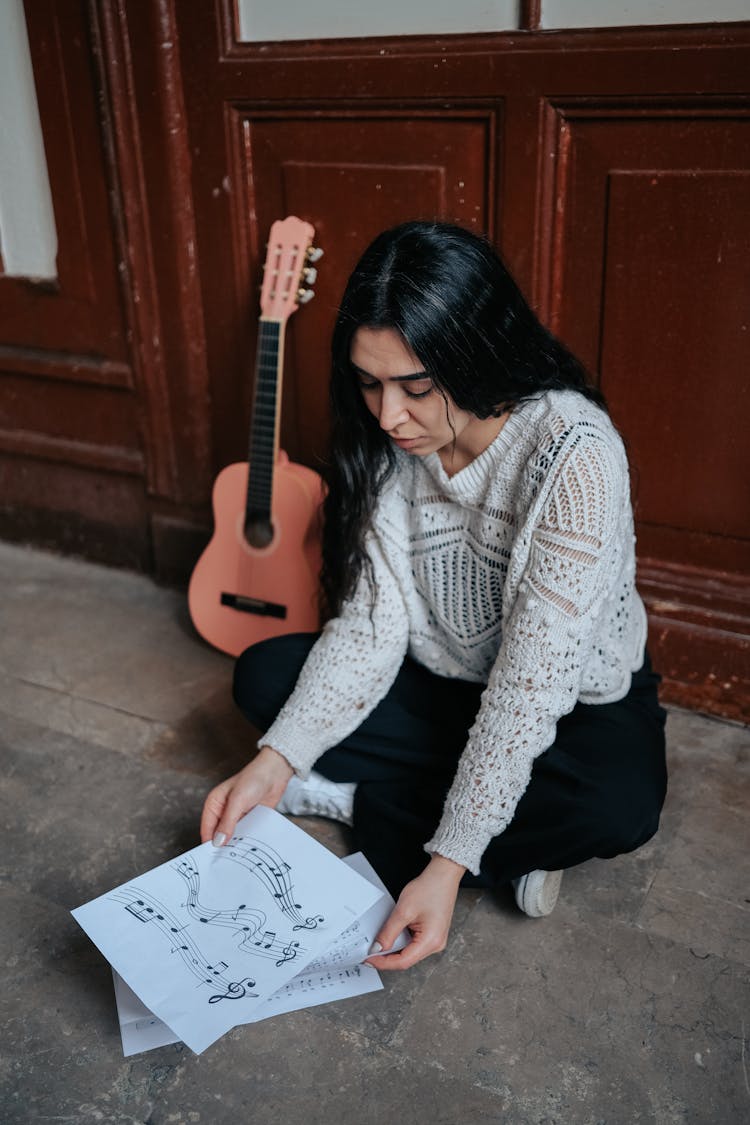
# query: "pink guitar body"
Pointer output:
{"type": "Point", "coordinates": [237, 591]}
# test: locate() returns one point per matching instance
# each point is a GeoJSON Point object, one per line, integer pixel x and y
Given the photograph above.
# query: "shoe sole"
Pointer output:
{"type": "Point", "coordinates": [537, 892]}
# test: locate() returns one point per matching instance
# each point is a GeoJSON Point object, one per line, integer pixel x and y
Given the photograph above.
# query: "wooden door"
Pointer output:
{"type": "Point", "coordinates": [654, 292]}
{"type": "Point", "coordinates": [610, 168]}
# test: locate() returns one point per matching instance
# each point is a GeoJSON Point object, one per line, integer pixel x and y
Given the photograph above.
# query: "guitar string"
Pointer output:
{"type": "Point", "coordinates": [264, 421]}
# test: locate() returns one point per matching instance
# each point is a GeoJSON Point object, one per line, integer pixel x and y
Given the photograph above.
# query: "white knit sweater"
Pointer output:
{"type": "Point", "coordinates": [519, 571]}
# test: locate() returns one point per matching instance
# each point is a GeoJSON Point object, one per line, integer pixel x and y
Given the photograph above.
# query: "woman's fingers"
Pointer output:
{"type": "Point", "coordinates": [397, 921]}
{"type": "Point", "coordinates": [426, 938]}
{"type": "Point", "coordinates": [224, 806]}
{"type": "Point", "coordinates": [213, 807]}
{"type": "Point", "coordinates": [224, 829]}
{"type": "Point", "coordinates": [262, 781]}
{"type": "Point", "coordinates": [240, 801]}
{"type": "Point", "coordinates": [425, 908]}
{"type": "Point", "coordinates": [419, 947]}
{"type": "Point", "coordinates": [243, 795]}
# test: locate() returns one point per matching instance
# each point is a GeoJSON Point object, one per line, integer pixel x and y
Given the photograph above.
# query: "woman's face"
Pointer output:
{"type": "Point", "coordinates": [414, 414]}
{"type": "Point", "coordinates": [401, 396]}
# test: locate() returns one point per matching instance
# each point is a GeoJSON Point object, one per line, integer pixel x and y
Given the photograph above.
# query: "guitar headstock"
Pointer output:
{"type": "Point", "coordinates": [288, 273]}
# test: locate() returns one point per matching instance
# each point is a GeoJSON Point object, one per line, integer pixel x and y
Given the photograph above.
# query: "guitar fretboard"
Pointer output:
{"type": "Point", "coordinates": [263, 428]}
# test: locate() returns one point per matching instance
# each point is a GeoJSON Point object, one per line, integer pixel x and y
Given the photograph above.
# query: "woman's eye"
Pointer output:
{"type": "Point", "coordinates": [424, 384]}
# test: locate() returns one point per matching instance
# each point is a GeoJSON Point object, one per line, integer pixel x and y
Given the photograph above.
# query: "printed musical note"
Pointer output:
{"type": "Point", "coordinates": [309, 923]}
{"type": "Point", "coordinates": [269, 937]}
{"type": "Point", "coordinates": [140, 911]}
{"type": "Point", "coordinates": [249, 922]}
{"type": "Point", "coordinates": [236, 990]}
{"type": "Point", "coordinates": [148, 909]}
{"type": "Point", "coordinates": [222, 966]}
{"type": "Point", "coordinates": [273, 872]}
{"type": "Point", "coordinates": [289, 952]}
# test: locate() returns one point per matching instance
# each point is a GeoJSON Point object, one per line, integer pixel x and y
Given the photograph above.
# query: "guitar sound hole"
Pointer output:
{"type": "Point", "coordinates": [259, 533]}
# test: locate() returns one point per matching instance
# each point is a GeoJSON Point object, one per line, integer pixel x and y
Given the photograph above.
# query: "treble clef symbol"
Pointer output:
{"type": "Point", "coordinates": [309, 923]}
{"type": "Point", "coordinates": [288, 953]}
{"type": "Point", "coordinates": [235, 991]}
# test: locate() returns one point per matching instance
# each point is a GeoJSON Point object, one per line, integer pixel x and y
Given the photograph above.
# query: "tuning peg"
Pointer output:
{"type": "Point", "coordinates": [310, 275]}
{"type": "Point", "coordinates": [304, 295]}
{"type": "Point", "coordinates": [314, 254]}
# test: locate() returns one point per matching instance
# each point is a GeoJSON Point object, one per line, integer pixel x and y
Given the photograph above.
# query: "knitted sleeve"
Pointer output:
{"type": "Point", "coordinates": [348, 671]}
{"type": "Point", "coordinates": [536, 677]}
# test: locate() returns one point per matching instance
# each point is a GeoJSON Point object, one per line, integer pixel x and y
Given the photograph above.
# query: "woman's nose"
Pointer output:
{"type": "Point", "coordinates": [393, 409]}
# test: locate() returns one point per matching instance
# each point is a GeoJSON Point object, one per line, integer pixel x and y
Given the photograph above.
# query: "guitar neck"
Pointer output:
{"type": "Point", "coordinates": [264, 429]}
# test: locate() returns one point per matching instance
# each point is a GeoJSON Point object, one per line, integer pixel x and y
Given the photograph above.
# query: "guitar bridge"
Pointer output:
{"type": "Point", "coordinates": [253, 605]}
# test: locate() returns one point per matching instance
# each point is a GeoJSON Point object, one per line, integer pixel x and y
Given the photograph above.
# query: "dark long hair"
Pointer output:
{"type": "Point", "coordinates": [456, 306]}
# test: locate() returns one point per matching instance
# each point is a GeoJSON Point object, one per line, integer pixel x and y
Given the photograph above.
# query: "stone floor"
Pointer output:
{"type": "Point", "coordinates": [629, 1004]}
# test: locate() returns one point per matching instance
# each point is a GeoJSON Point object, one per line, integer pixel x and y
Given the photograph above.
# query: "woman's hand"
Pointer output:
{"type": "Point", "coordinates": [261, 782]}
{"type": "Point", "coordinates": [425, 907]}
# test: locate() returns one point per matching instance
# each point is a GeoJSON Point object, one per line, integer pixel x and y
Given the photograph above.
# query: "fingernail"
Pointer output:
{"type": "Point", "coordinates": [218, 839]}
{"type": "Point", "coordinates": [376, 947]}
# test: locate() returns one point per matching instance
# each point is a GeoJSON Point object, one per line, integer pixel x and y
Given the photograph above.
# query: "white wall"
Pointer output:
{"type": "Point", "coordinates": [618, 13]}
{"type": "Point", "coordinates": [28, 238]}
{"type": "Point", "coordinates": [331, 19]}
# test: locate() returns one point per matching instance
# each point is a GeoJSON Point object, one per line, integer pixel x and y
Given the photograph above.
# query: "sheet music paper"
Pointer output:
{"type": "Point", "coordinates": [338, 975]}
{"type": "Point", "coordinates": [204, 940]}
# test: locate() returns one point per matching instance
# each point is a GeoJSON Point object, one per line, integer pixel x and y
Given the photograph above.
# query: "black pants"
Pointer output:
{"type": "Point", "coordinates": [597, 791]}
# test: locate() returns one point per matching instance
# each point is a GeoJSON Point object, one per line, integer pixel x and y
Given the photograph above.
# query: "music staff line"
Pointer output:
{"type": "Point", "coordinates": [273, 873]}
{"type": "Point", "coordinates": [249, 922]}
{"type": "Point", "coordinates": [150, 911]}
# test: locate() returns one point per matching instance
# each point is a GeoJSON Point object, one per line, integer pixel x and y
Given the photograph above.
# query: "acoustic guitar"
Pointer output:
{"type": "Point", "coordinates": [258, 576]}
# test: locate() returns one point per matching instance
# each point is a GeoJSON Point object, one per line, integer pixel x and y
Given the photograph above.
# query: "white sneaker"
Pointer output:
{"type": "Point", "coordinates": [319, 797]}
{"type": "Point", "coordinates": [536, 893]}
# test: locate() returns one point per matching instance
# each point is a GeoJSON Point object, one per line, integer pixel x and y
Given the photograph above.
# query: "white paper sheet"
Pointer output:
{"type": "Point", "coordinates": [351, 947]}
{"type": "Point", "coordinates": [338, 976]}
{"type": "Point", "coordinates": [141, 1030]}
{"type": "Point", "coordinates": [207, 938]}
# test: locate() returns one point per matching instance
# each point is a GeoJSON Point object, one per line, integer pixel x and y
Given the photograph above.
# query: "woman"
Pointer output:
{"type": "Point", "coordinates": [479, 705]}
